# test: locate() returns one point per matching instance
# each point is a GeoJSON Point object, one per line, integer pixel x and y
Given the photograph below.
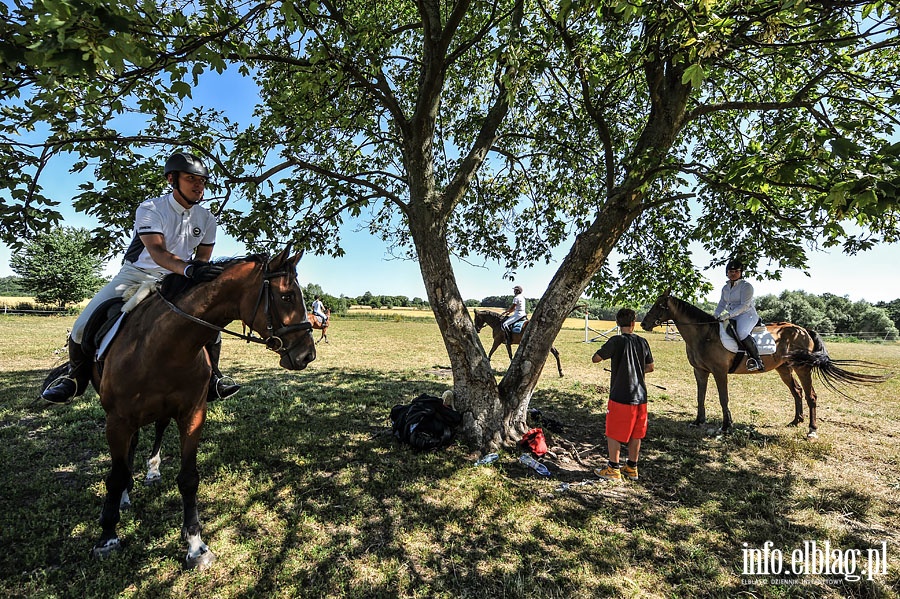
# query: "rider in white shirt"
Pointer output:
{"type": "Point", "coordinates": [318, 309]}
{"type": "Point", "coordinates": [736, 305]}
{"type": "Point", "coordinates": [172, 234]}
{"type": "Point", "coordinates": [516, 312]}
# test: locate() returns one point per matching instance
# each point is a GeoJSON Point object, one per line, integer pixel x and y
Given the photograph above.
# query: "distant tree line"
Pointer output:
{"type": "Point", "coordinates": [340, 305]}
{"type": "Point", "coordinates": [12, 287]}
{"type": "Point", "coordinates": [828, 313]}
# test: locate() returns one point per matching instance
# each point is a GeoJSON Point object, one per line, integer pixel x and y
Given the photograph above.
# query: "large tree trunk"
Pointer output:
{"type": "Point", "coordinates": [571, 279]}
{"type": "Point", "coordinates": [475, 387]}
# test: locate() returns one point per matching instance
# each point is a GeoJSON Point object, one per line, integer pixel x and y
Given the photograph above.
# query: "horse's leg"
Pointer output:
{"type": "Point", "coordinates": [721, 379]}
{"type": "Point", "coordinates": [785, 372]}
{"type": "Point", "coordinates": [556, 355]}
{"type": "Point", "coordinates": [805, 376]}
{"type": "Point", "coordinates": [497, 343]}
{"type": "Point", "coordinates": [153, 473]}
{"type": "Point", "coordinates": [198, 555]}
{"type": "Point", "coordinates": [119, 439]}
{"type": "Point", "coordinates": [125, 501]}
{"type": "Point", "coordinates": [702, 378]}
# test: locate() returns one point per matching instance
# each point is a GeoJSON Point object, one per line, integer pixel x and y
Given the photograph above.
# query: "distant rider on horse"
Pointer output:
{"type": "Point", "coordinates": [516, 313]}
{"type": "Point", "coordinates": [168, 231]}
{"type": "Point", "coordinates": [318, 310]}
{"type": "Point", "coordinates": [736, 308]}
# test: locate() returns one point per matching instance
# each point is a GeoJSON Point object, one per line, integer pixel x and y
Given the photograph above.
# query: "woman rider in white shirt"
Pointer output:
{"type": "Point", "coordinates": [737, 306]}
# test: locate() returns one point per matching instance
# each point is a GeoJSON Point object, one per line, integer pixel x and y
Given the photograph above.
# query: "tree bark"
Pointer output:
{"type": "Point", "coordinates": [475, 387]}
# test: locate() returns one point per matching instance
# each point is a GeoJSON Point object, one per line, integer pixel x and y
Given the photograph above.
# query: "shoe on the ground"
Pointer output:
{"type": "Point", "coordinates": [629, 472]}
{"type": "Point", "coordinates": [608, 472]}
{"type": "Point", "coordinates": [221, 388]}
{"type": "Point", "coordinates": [63, 391]}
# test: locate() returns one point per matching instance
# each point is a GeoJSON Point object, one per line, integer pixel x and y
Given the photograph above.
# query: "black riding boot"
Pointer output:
{"type": "Point", "coordinates": [74, 383]}
{"type": "Point", "coordinates": [754, 363]}
{"type": "Point", "coordinates": [218, 388]}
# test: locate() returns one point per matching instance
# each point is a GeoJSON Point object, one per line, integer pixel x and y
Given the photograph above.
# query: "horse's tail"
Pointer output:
{"type": "Point", "coordinates": [834, 372]}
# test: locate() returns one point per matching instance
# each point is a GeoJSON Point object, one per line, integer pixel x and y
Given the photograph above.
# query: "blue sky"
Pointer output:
{"type": "Point", "coordinates": [368, 267]}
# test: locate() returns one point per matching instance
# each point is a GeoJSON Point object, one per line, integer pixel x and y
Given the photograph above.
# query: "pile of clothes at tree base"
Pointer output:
{"type": "Point", "coordinates": [425, 423]}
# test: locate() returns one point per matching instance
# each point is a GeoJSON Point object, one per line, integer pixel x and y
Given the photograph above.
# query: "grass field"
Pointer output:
{"type": "Point", "coordinates": [305, 493]}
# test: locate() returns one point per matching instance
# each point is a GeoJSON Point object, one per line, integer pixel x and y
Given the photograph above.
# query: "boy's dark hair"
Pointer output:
{"type": "Point", "coordinates": [625, 317]}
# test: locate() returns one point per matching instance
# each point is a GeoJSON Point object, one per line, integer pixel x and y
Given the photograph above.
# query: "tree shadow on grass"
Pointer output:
{"type": "Point", "coordinates": [304, 488]}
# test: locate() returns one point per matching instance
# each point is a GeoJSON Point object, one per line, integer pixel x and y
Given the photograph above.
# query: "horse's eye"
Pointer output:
{"type": "Point", "coordinates": [287, 298]}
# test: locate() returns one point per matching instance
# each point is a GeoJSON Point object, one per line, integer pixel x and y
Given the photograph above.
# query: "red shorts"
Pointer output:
{"type": "Point", "coordinates": [625, 422]}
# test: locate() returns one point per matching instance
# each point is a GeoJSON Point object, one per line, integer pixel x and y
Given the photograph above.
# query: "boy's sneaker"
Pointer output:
{"type": "Point", "coordinates": [629, 472]}
{"type": "Point", "coordinates": [608, 472]}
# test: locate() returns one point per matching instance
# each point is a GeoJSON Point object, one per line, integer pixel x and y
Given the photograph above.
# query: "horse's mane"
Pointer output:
{"type": "Point", "coordinates": [490, 315]}
{"type": "Point", "coordinates": [175, 285]}
{"type": "Point", "coordinates": [693, 312]}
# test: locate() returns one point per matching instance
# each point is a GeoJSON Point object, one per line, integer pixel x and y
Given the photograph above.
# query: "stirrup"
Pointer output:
{"type": "Point", "coordinates": [754, 365]}
{"type": "Point", "coordinates": [217, 384]}
{"type": "Point", "coordinates": [56, 382]}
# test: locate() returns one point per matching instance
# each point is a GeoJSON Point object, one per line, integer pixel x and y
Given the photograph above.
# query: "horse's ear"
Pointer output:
{"type": "Point", "coordinates": [282, 256]}
{"type": "Point", "coordinates": [668, 292]}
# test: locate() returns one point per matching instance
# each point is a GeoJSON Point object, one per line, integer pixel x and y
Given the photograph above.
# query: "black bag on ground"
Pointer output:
{"type": "Point", "coordinates": [425, 423]}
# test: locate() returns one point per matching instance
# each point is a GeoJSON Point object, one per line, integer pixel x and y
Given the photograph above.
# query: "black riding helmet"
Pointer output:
{"type": "Point", "coordinates": [186, 163]}
{"type": "Point", "coordinates": [734, 264]}
{"type": "Point", "coordinates": [182, 162]}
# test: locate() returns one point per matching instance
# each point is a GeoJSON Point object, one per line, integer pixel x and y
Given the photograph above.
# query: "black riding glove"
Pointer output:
{"type": "Point", "coordinates": [202, 272]}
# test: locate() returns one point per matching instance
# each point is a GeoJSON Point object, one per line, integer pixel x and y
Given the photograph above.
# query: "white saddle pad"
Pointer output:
{"type": "Point", "coordinates": [765, 342]}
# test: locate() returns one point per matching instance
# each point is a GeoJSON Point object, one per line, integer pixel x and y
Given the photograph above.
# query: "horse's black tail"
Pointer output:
{"type": "Point", "coordinates": [833, 372]}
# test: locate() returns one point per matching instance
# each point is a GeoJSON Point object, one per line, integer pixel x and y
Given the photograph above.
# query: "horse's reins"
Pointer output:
{"type": "Point", "coordinates": [273, 342]}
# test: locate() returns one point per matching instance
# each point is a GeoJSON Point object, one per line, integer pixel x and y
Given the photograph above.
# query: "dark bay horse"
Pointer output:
{"type": "Point", "coordinates": [494, 320]}
{"type": "Point", "coordinates": [157, 371]}
{"type": "Point", "coordinates": [321, 326]}
{"type": "Point", "coordinates": [797, 350]}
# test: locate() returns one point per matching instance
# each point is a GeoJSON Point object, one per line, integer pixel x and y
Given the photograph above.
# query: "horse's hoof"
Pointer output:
{"type": "Point", "coordinates": [812, 435]}
{"type": "Point", "coordinates": [152, 479]}
{"type": "Point", "coordinates": [125, 501]}
{"type": "Point", "coordinates": [107, 548]}
{"type": "Point", "coordinates": [200, 562]}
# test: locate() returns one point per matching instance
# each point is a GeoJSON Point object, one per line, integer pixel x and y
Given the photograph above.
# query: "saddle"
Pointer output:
{"type": "Point", "coordinates": [104, 323]}
{"type": "Point", "coordinates": [518, 325]}
{"type": "Point", "coordinates": [765, 342]}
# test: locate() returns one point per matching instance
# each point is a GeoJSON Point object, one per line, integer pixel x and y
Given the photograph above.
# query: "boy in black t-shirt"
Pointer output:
{"type": "Point", "coordinates": [626, 412]}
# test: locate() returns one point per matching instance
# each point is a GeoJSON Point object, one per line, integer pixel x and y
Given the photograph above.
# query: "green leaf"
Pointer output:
{"type": "Point", "coordinates": [694, 75]}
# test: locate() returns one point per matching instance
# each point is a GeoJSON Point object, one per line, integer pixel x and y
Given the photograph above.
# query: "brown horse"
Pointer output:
{"type": "Point", "coordinates": [157, 370]}
{"type": "Point", "coordinates": [797, 350]}
{"type": "Point", "coordinates": [321, 326]}
{"type": "Point", "coordinates": [494, 320]}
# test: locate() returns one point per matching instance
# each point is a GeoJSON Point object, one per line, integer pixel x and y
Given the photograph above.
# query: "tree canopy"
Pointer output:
{"type": "Point", "coordinates": [497, 129]}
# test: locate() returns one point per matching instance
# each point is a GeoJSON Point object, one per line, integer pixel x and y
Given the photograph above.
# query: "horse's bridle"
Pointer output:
{"type": "Point", "coordinates": [662, 303]}
{"type": "Point", "coordinates": [273, 341]}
